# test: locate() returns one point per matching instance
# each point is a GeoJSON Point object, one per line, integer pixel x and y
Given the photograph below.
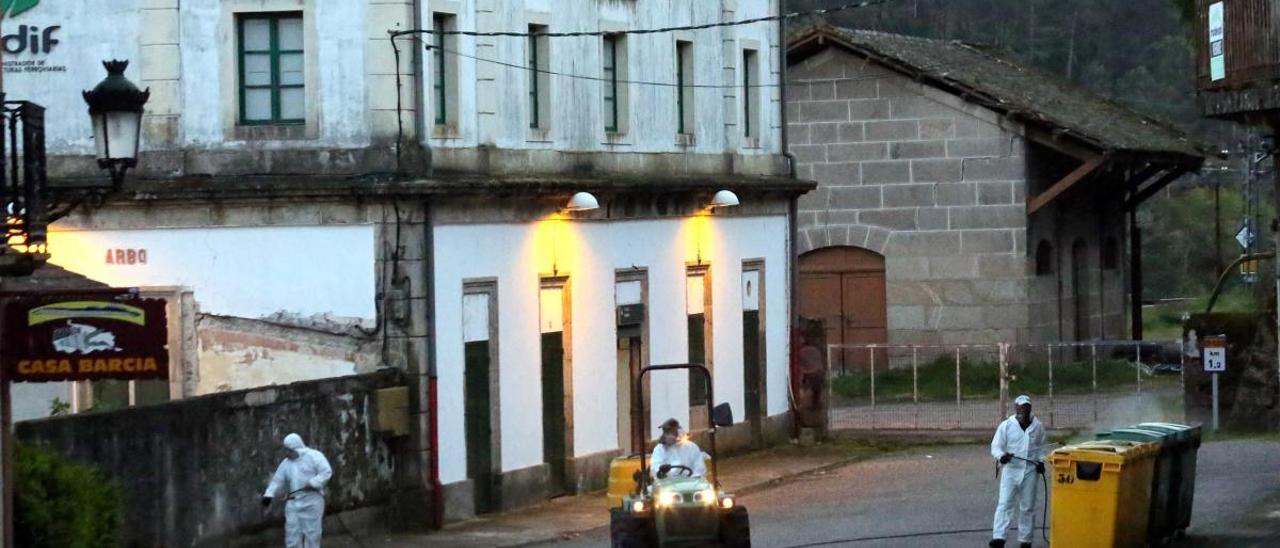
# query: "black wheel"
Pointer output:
{"type": "Point", "coordinates": [627, 531]}
{"type": "Point", "coordinates": [735, 528]}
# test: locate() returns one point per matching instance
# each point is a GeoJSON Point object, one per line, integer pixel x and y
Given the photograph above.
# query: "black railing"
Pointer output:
{"type": "Point", "coordinates": [24, 184]}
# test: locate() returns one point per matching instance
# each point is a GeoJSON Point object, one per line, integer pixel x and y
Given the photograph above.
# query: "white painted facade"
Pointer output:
{"type": "Point", "coordinates": [589, 254]}
{"type": "Point", "coordinates": [248, 272]}
{"type": "Point", "coordinates": [492, 99]}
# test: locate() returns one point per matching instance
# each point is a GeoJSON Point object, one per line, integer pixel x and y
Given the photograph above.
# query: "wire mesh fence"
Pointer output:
{"type": "Point", "coordinates": [1073, 385]}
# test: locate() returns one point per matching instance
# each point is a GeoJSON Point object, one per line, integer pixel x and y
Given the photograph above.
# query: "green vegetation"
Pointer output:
{"type": "Point", "coordinates": [936, 380]}
{"type": "Point", "coordinates": [60, 504]}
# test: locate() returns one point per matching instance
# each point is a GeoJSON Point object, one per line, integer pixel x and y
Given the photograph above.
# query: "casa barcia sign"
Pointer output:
{"type": "Point", "coordinates": [84, 336]}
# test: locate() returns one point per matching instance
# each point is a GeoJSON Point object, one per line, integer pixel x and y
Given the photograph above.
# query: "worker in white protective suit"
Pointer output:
{"type": "Point", "coordinates": [300, 480]}
{"type": "Point", "coordinates": [673, 451]}
{"type": "Point", "coordinates": [1019, 446]}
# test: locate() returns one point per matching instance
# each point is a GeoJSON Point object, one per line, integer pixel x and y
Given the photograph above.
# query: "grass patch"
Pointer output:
{"type": "Point", "coordinates": [1164, 321]}
{"type": "Point", "coordinates": [936, 380]}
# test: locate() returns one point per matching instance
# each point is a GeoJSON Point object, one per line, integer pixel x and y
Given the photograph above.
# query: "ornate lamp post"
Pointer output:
{"type": "Point", "coordinates": [115, 106]}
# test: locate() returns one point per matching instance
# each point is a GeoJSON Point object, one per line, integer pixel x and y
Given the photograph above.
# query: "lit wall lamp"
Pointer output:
{"type": "Point", "coordinates": [582, 201]}
{"type": "Point", "coordinates": [724, 198]}
{"type": "Point", "coordinates": [115, 107]}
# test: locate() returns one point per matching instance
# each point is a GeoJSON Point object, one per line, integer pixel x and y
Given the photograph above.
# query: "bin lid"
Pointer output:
{"type": "Point", "coordinates": [1109, 451]}
{"type": "Point", "coordinates": [1184, 433]}
{"type": "Point", "coordinates": [1164, 438]}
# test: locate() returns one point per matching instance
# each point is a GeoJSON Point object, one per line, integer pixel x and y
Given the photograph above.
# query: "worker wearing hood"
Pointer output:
{"type": "Point", "coordinates": [300, 480]}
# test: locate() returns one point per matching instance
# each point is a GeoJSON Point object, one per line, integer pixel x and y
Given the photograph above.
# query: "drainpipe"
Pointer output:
{"type": "Point", "coordinates": [793, 209]}
{"type": "Point", "coordinates": [433, 407]}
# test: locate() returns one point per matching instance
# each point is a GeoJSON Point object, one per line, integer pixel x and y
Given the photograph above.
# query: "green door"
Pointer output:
{"type": "Point", "coordinates": [553, 419]}
{"type": "Point", "coordinates": [752, 373]}
{"type": "Point", "coordinates": [478, 424]}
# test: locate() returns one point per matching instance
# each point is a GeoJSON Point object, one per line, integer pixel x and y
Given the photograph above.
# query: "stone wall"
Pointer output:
{"type": "Point", "coordinates": [194, 470]}
{"type": "Point", "coordinates": [933, 183]}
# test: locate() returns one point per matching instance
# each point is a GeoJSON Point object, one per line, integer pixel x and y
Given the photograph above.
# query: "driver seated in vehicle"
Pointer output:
{"type": "Point", "coordinates": [676, 454]}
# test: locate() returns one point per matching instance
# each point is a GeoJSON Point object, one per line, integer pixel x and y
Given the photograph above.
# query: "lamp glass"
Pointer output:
{"type": "Point", "coordinates": [116, 134]}
{"type": "Point", "coordinates": [724, 198]}
{"type": "Point", "coordinates": [583, 201]}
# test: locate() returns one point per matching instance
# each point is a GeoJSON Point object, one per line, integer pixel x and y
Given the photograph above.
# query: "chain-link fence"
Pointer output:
{"type": "Point", "coordinates": [1072, 385]}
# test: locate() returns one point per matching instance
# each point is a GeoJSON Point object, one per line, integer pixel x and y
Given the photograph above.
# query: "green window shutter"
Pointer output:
{"type": "Point", "coordinates": [272, 69]}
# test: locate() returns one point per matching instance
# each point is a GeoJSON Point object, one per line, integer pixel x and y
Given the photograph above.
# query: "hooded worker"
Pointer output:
{"type": "Point", "coordinates": [1019, 446]}
{"type": "Point", "coordinates": [300, 479]}
{"type": "Point", "coordinates": [675, 451]}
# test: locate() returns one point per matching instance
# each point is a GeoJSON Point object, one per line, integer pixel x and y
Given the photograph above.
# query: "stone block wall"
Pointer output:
{"type": "Point", "coordinates": [933, 183]}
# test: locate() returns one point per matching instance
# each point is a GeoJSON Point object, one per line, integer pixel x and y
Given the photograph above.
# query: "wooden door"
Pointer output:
{"type": "Point", "coordinates": [844, 288]}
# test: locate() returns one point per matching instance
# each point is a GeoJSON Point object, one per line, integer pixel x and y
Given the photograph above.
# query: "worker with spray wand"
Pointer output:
{"type": "Point", "coordinates": [1019, 445]}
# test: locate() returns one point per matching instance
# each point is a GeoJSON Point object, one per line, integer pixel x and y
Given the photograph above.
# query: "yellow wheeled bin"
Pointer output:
{"type": "Point", "coordinates": [1101, 494]}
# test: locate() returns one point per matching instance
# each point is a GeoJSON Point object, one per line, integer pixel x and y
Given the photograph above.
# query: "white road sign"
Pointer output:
{"type": "Point", "coordinates": [1215, 359]}
{"type": "Point", "coordinates": [1244, 237]}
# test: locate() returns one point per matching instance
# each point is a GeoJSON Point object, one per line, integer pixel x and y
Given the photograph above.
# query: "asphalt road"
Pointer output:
{"type": "Point", "coordinates": [921, 494]}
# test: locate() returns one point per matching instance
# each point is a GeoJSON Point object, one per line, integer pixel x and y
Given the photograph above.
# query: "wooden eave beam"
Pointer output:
{"type": "Point", "coordinates": [1150, 190]}
{"type": "Point", "coordinates": [1086, 169]}
{"type": "Point", "coordinates": [1056, 142]}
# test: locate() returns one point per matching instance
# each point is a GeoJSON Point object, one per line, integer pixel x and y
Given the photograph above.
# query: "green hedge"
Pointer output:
{"type": "Point", "coordinates": [62, 504]}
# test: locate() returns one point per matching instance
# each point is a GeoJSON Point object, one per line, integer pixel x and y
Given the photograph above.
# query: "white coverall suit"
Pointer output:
{"type": "Point", "coordinates": [1018, 479]}
{"type": "Point", "coordinates": [680, 453]}
{"type": "Point", "coordinates": [301, 480]}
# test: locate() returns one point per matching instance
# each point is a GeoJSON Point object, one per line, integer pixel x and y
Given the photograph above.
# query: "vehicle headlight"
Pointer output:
{"type": "Point", "coordinates": [637, 506]}
{"type": "Point", "coordinates": [668, 498]}
{"type": "Point", "coordinates": [706, 496]}
{"type": "Point", "coordinates": [726, 503]}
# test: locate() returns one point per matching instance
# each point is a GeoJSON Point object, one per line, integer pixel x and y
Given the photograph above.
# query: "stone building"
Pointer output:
{"type": "Point", "coordinates": [964, 197]}
{"type": "Point", "coordinates": [328, 200]}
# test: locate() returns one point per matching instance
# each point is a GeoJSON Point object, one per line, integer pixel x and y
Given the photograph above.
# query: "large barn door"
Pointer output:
{"type": "Point", "coordinates": [844, 288]}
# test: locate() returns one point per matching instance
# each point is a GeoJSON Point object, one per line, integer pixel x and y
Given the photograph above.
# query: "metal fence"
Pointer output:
{"type": "Point", "coordinates": [1073, 385]}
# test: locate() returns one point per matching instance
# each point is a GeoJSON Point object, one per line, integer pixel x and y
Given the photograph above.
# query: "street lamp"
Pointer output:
{"type": "Point", "coordinates": [115, 107]}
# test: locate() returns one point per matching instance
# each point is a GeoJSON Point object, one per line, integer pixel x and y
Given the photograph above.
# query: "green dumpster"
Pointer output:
{"type": "Point", "coordinates": [1161, 523]}
{"type": "Point", "coordinates": [1183, 491]}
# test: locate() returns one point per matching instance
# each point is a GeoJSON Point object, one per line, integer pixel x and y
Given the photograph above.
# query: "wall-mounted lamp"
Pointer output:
{"type": "Point", "coordinates": [582, 201]}
{"type": "Point", "coordinates": [724, 198]}
{"type": "Point", "coordinates": [115, 107]}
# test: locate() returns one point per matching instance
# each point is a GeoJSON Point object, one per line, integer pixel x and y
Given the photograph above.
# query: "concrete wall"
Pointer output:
{"type": "Point", "coordinates": [193, 471]}
{"type": "Point", "coordinates": [517, 254]}
{"type": "Point", "coordinates": [933, 183]}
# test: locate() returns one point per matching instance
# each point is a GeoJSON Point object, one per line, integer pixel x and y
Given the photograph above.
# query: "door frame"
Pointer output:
{"type": "Point", "coordinates": [489, 287]}
{"type": "Point", "coordinates": [641, 275]}
{"type": "Point", "coordinates": [562, 282]}
{"type": "Point", "coordinates": [698, 415]}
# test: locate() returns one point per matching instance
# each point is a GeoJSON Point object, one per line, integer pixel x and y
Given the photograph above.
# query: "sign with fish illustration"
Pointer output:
{"type": "Point", "coordinates": [52, 336]}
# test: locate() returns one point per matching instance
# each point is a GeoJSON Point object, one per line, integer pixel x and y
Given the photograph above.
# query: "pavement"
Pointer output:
{"type": "Point", "coordinates": [573, 517]}
{"type": "Point", "coordinates": [857, 494]}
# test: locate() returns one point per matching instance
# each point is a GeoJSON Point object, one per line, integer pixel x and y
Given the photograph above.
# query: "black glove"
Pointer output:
{"type": "Point", "coordinates": [1004, 459]}
{"type": "Point", "coordinates": [1040, 468]}
{"type": "Point", "coordinates": [663, 470]}
{"type": "Point", "coordinates": [266, 501]}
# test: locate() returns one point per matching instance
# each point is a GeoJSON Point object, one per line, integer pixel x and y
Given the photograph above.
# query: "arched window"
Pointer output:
{"type": "Point", "coordinates": [1044, 258]}
{"type": "Point", "coordinates": [1110, 254]}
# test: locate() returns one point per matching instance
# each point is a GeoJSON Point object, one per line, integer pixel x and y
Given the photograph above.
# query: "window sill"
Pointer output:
{"type": "Point", "coordinates": [539, 135]}
{"type": "Point", "coordinates": [616, 138]}
{"type": "Point", "coordinates": [271, 132]}
{"type": "Point", "coordinates": [445, 132]}
{"type": "Point", "coordinates": [686, 139]}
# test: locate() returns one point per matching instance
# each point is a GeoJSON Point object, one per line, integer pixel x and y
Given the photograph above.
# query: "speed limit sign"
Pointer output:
{"type": "Point", "coordinates": [1215, 354]}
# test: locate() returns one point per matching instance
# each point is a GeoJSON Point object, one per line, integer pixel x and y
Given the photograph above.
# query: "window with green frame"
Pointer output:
{"type": "Point", "coordinates": [538, 63]}
{"type": "Point", "coordinates": [272, 72]}
{"type": "Point", "coordinates": [440, 67]}
{"type": "Point", "coordinates": [611, 83]}
{"type": "Point", "coordinates": [684, 87]}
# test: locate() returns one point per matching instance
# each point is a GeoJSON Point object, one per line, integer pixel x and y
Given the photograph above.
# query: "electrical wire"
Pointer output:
{"type": "Point", "coordinates": [704, 26]}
